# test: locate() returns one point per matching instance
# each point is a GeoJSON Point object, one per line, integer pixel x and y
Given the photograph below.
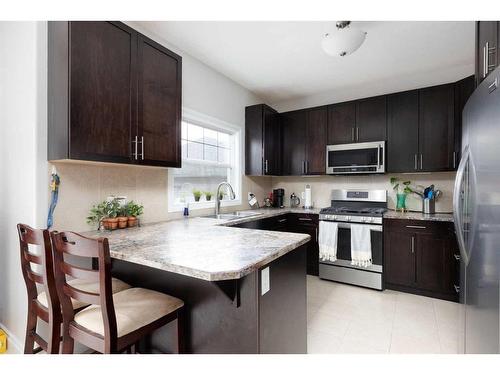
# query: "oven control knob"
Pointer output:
{"type": "Point", "coordinates": [348, 218]}
{"type": "Point", "coordinates": [334, 217]}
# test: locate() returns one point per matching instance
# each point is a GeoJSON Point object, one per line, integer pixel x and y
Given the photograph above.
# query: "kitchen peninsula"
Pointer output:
{"type": "Point", "coordinates": [244, 290]}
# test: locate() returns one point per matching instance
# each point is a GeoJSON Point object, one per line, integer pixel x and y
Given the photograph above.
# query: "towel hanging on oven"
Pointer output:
{"type": "Point", "coordinates": [327, 240]}
{"type": "Point", "coordinates": [361, 245]}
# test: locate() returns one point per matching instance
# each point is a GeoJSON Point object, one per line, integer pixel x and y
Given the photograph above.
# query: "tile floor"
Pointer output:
{"type": "Point", "coordinates": [349, 319]}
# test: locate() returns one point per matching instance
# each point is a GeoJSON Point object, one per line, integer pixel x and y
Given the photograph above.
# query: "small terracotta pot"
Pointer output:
{"type": "Point", "coordinates": [111, 223]}
{"type": "Point", "coordinates": [122, 222]}
{"type": "Point", "coordinates": [132, 221]}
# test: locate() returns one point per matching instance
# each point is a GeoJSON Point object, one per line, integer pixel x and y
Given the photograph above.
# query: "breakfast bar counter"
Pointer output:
{"type": "Point", "coordinates": [244, 289]}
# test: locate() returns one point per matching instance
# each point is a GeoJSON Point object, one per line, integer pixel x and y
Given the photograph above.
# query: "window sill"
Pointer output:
{"type": "Point", "coordinates": [204, 205]}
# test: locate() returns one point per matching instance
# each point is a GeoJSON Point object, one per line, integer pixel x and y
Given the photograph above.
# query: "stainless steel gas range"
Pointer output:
{"type": "Point", "coordinates": [363, 207]}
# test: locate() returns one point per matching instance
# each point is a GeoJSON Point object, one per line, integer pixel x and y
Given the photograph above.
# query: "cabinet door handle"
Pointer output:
{"type": "Point", "coordinates": [457, 288]}
{"type": "Point", "coordinates": [413, 244]}
{"type": "Point", "coordinates": [489, 50]}
{"type": "Point", "coordinates": [352, 133]}
{"type": "Point", "coordinates": [484, 60]}
{"type": "Point", "coordinates": [142, 147]}
{"type": "Point", "coordinates": [281, 220]}
{"type": "Point", "coordinates": [357, 134]}
{"type": "Point", "coordinates": [416, 162]}
{"type": "Point", "coordinates": [134, 154]}
{"type": "Point", "coordinates": [265, 166]}
{"type": "Point", "coordinates": [454, 159]}
{"type": "Point", "coordinates": [416, 226]}
{"type": "Point", "coordinates": [316, 234]}
{"type": "Point", "coordinates": [456, 256]}
{"type": "Point", "coordinates": [421, 161]}
{"type": "Point", "coordinates": [305, 219]}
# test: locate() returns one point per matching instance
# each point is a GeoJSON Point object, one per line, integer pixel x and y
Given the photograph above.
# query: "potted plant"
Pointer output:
{"type": "Point", "coordinates": [122, 217]}
{"type": "Point", "coordinates": [197, 195]}
{"type": "Point", "coordinates": [208, 195]}
{"type": "Point", "coordinates": [134, 210]}
{"type": "Point", "coordinates": [97, 214]}
{"type": "Point", "coordinates": [402, 189]}
{"type": "Point", "coordinates": [112, 208]}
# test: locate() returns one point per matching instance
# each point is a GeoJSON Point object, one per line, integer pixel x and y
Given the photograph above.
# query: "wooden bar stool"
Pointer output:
{"type": "Point", "coordinates": [113, 322]}
{"type": "Point", "coordinates": [45, 304]}
{"type": "Point", "coordinates": [50, 310]}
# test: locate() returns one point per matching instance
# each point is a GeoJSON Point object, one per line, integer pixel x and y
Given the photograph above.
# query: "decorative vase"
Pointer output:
{"type": "Point", "coordinates": [401, 202]}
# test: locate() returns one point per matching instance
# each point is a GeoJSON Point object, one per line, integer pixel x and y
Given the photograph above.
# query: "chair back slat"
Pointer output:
{"type": "Point", "coordinates": [82, 296]}
{"type": "Point", "coordinates": [35, 277]}
{"type": "Point", "coordinates": [41, 311]}
{"type": "Point", "coordinates": [79, 272]}
{"type": "Point", "coordinates": [32, 258]}
{"type": "Point", "coordinates": [76, 244]}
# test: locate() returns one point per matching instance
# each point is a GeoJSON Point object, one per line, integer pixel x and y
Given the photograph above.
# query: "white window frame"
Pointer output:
{"type": "Point", "coordinates": [206, 121]}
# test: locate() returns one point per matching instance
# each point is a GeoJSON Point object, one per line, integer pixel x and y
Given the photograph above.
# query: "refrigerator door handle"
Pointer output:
{"type": "Point", "coordinates": [457, 217]}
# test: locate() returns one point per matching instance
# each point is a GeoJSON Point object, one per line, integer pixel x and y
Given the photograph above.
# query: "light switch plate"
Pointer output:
{"type": "Point", "coordinates": [265, 282]}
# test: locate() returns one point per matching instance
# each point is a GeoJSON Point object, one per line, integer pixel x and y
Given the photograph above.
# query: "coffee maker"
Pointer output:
{"type": "Point", "coordinates": [279, 198]}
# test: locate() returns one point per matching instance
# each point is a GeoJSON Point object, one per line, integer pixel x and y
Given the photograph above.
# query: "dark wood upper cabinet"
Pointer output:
{"type": "Point", "coordinates": [463, 90]}
{"type": "Point", "coordinates": [114, 95]}
{"type": "Point", "coordinates": [159, 104]}
{"type": "Point", "coordinates": [487, 38]}
{"type": "Point", "coordinates": [101, 58]}
{"type": "Point", "coordinates": [371, 119]}
{"type": "Point", "coordinates": [436, 128]}
{"type": "Point", "coordinates": [294, 133]}
{"type": "Point", "coordinates": [341, 123]}
{"type": "Point", "coordinates": [262, 141]}
{"type": "Point", "coordinates": [315, 141]}
{"type": "Point", "coordinates": [402, 131]}
{"type": "Point", "coordinates": [422, 129]}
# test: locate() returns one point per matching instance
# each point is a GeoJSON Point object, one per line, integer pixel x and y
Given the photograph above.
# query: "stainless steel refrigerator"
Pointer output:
{"type": "Point", "coordinates": [476, 209]}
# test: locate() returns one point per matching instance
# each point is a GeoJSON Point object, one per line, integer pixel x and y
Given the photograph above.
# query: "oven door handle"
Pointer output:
{"type": "Point", "coordinates": [375, 228]}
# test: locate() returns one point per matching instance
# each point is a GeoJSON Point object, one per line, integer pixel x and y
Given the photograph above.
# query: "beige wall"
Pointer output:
{"type": "Point", "coordinates": [321, 187]}
{"type": "Point", "coordinates": [83, 185]}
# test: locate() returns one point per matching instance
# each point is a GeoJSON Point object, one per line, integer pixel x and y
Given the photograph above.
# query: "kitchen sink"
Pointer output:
{"type": "Point", "coordinates": [233, 215]}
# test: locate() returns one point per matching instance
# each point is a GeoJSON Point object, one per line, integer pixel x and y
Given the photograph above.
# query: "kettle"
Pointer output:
{"type": "Point", "coordinates": [294, 200]}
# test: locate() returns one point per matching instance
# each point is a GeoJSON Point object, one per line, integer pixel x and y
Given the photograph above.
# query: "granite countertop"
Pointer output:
{"type": "Point", "coordinates": [410, 215]}
{"type": "Point", "coordinates": [203, 248]}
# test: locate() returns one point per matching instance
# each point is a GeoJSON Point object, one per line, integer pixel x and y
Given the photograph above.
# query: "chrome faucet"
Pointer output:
{"type": "Point", "coordinates": [217, 195]}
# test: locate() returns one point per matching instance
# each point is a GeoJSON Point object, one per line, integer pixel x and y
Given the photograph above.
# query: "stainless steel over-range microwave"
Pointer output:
{"type": "Point", "coordinates": [354, 158]}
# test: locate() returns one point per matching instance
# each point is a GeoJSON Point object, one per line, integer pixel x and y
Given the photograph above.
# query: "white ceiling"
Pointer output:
{"type": "Point", "coordinates": [283, 61]}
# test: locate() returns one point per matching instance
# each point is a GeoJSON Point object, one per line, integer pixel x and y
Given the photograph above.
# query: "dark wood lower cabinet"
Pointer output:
{"type": "Point", "coordinates": [420, 258]}
{"type": "Point", "coordinates": [295, 223]}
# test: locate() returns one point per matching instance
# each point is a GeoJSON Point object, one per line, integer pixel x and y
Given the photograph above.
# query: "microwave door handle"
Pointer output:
{"type": "Point", "coordinates": [378, 157]}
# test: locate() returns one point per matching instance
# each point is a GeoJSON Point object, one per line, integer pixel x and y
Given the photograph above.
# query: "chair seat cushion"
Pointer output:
{"type": "Point", "coordinates": [134, 308]}
{"type": "Point", "coordinates": [87, 286]}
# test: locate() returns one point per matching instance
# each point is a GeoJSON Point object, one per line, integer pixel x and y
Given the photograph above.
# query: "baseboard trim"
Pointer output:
{"type": "Point", "coordinates": [13, 344]}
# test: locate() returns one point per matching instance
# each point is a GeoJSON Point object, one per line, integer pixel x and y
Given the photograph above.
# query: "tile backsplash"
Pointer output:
{"type": "Point", "coordinates": [83, 185]}
{"type": "Point", "coordinates": [321, 187]}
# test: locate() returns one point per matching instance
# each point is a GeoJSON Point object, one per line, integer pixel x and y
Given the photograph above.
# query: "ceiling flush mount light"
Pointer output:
{"type": "Point", "coordinates": [343, 41]}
